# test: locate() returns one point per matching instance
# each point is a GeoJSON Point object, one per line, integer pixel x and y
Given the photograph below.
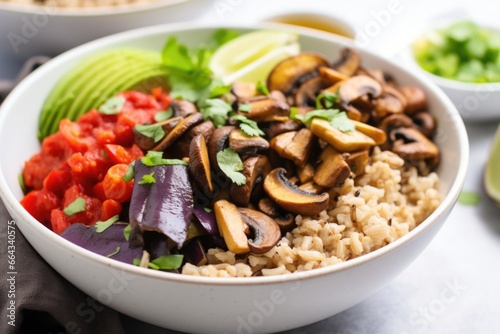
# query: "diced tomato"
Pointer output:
{"type": "Point", "coordinates": [58, 180]}
{"type": "Point", "coordinates": [163, 98]}
{"type": "Point", "coordinates": [76, 136]}
{"type": "Point", "coordinates": [59, 221]}
{"type": "Point", "coordinates": [121, 155]}
{"type": "Point", "coordinates": [139, 100]}
{"type": "Point", "coordinates": [115, 187]}
{"type": "Point", "coordinates": [110, 208]}
{"type": "Point", "coordinates": [39, 203]}
{"type": "Point", "coordinates": [91, 212]}
{"type": "Point", "coordinates": [98, 190]}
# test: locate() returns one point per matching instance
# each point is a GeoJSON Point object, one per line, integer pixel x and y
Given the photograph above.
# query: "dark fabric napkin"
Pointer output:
{"type": "Point", "coordinates": [33, 296]}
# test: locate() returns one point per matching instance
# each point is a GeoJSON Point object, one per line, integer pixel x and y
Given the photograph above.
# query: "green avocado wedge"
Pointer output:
{"type": "Point", "coordinates": [96, 79]}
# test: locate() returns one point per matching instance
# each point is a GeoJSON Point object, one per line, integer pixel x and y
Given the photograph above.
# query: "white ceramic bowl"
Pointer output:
{"type": "Point", "coordinates": [29, 30]}
{"type": "Point", "coordinates": [220, 305]}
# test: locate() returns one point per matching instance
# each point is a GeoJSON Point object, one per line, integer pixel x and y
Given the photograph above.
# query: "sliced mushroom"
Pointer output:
{"type": "Point", "coordinates": [395, 121]}
{"type": "Point", "coordinates": [355, 88]}
{"type": "Point", "coordinates": [305, 173]}
{"type": "Point", "coordinates": [331, 76]}
{"type": "Point", "coordinates": [294, 145]}
{"type": "Point", "coordinates": [285, 220]}
{"type": "Point", "coordinates": [290, 197]}
{"type": "Point", "coordinates": [312, 187]}
{"type": "Point", "coordinates": [147, 143]}
{"type": "Point", "coordinates": [265, 109]}
{"type": "Point", "coordinates": [183, 108]}
{"type": "Point", "coordinates": [255, 170]}
{"type": "Point", "coordinates": [307, 92]}
{"type": "Point", "coordinates": [348, 63]}
{"type": "Point", "coordinates": [246, 145]}
{"type": "Point", "coordinates": [391, 101]}
{"type": "Point", "coordinates": [218, 142]}
{"type": "Point", "coordinates": [231, 226]}
{"type": "Point", "coordinates": [266, 231]}
{"type": "Point", "coordinates": [425, 123]}
{"type": "Point", "coordinates": [275, 128]}
{"type": "Point", "coordinates": [411, 145]}
{"type": "Point", "coordinates": [182, 127]}
{"type": "Point", "coordinates": [379, 136]}
{"type": "Point", "coordinates": [183, 143]}
{"type": "Point", "coordinates": [357, 161]}
{"type": "Point", "coordinates": [333, 170]}
{"type": "Point", "coordinates": [342, 141]}
{"type": "Point", "coordinates": [287, 74]}
{"type": "Point", "coordinates": [244, 90]}
{"type": "Point", "coordinates": [199, 163]}
{"type": "Point", "coordinates": [415, 97]}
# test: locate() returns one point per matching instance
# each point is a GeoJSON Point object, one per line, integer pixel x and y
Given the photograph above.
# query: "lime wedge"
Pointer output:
{"type": "Point", "coordinates": [492, 172]}
{"type": "Point", "coordinates": [251, 57]}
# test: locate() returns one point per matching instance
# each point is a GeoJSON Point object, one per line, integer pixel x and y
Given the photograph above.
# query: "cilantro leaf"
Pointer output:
{"type": "Point", "coordinates": [101, 226]}
{"type": "Point", "coordinates": [176, 56]}
{"type": "Point", "coordinates": [137, 262]}
{"type": "Point", "coordinates": [78, 205]}
{"type": "Point", "coordinates": [219, 90]}
{"type": "Point", "coordinates": [168, 262]}
{"type": "Point", "coordinates": [112, 106]}
{"type": "Point", "coordinates": [230, 163]}
{"type": "Point", "coordinates": [126, 231]}
{"type": "Point", "coordinates": [337, 119]}
{"type": "Point", "coordinates": [341, 122]}
{"type": "Point", "coordinates": [153, 131]}
{"type": "Point", "coordinates": [154, 158]}
{"type": "Point", "coordinates": [164, 115]}
{"type": "Point", "coordinates": [245, 107]}
{"type": "Point", "coordinates": [216, 111]}
{"type": "Point", "coordinates": [469, 198]}
{"type": "Point", "coordinates": [327, 114]}
{"type": "Point", "coordinates": [262, 88]}
{"type": "Point", "coordinates": [129, 175]}
{"type": "Point", "coordinates": [249, 127]}
{"type": "Point", "coordinates": [115, 252]}
{"type": "Point", "coordinates": [326, 100]}
{"type": "Point", "coordinates": [148, 178]}
{"type": "Point", "coordinates": [222, 36]}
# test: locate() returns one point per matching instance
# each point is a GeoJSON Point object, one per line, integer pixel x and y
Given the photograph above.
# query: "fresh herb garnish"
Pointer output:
{"type": "Point", "coordinates": [469, 198]}
{"type": "Point", "coordinates": [129, 175]}
{"type": "Point", "coordinates": [115, 252]}
{"type": "Point", "coordinates": [249, 127]}
{"type": "Point", "coordinates": [337, 119]}
{"type": "Point", "coordinates": [222, 36]}
{"type": "Point", "coordinates": [245, 107]}
{"type": "Point", "coordinates": [208, 210]}
{"type": "Point", "coordinates": [126, 231]}
{"type": "Point", "coordinates": [154, 158]}
{"type": "Point", "coordinates": [148, 178]}
{"type": "Point", "coordinates": [326, 100]}
{"type": "Point", "coordinates": [230, 163]}
{"type": "Point", "coordinates": [20, 179]}
{"type": "Point", "coordinates": [262, 88]}
{"type": "Point", "coordinates": [216, 110]}
{"type": "Point", "coordinates": [164, 262]}
{"type": "Point", "coordinates": [164, 115]}
{"type": "Point", "coordinates": [101, 226]}
{"type": "Point", "coordinates": [153, 131]}
{"type": "Point", "coordinates": [78, 205]}
{"type": "Point", "coordinates": [219, 90]}
{"type": "Point", "coordinates": [112, 106]}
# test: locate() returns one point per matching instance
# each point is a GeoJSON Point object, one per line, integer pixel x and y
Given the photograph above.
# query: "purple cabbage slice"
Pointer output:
{"type": "Point", "coordinates": [111, 242]}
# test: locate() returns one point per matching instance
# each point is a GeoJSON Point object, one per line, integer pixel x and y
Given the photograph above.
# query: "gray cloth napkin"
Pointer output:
{"type": "Point", "coordinates": [34, 298]}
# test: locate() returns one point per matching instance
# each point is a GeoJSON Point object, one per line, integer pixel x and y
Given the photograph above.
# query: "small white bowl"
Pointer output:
{"type": "Point", "coordinates": [208, 304]}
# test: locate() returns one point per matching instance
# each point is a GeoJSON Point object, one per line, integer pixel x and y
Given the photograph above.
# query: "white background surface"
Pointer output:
{"type": "Point", "coordinates": [454, 286]}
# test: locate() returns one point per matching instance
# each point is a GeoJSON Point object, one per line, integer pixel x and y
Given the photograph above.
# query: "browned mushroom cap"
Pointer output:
{"type": "Point", "coordinates": [183, 143]}
{"type": "Point", "coordinates": [411, 145]}
{"type": "Point", "coordinates": [425, 123]}
{"type": "Point", "coordinates": [218, 142]}
{"type": "Point", "coordinates": [312, 187]}
{"type": "Point", "coordinates": [355, 88]}
{"type": "Point", "coordinates": [285, 220]}
{"type": "Point", "coordinates": [342, 141]}
{"type": "Point", "coordinates": [357, 161]}
{"type": "Point", "coordinates": [331, 76]}
{"type": "Point", "coordinates": [294, 145]}
{"type": "Point", "coordinates": [307, 92]}
{"type": "Point", "coordinates": [183, 108]}
{"type": "Point", "coordinates": [391, 101]}
{"type": "Point", "coordinates": [266, 231]}
{"type": "Point", "coordinates": [285, 76]}
{"type": "Point", "coordinates": [246, 145]}
{"type": "Point", "coordinates": [305, 173]}
{"type": "Point", "coordinates": [244, 90]}
{"type": "Point", "coordinates": [265, 109]}
{"type": "Point", "coordinates": [348, 63]}
{"type": "Point", "coordinates": [182, 127]}
{"type": "Point", "coordinates": [255, 170]}
{"type": "Point", "coordinates": [277, 127]}
{"type": "Point", "coordinates": [290, 197]}
{"type": "Point", "coordinates": [199, 163]}
{"type": "Point", "coordinates": [415, 97]}
{"type": "Point", "coordinates": [333, 170]}
{"type": "Point", "coordinates": [147, 143]}
{"type": "Point", "coordinates": [231, 226]}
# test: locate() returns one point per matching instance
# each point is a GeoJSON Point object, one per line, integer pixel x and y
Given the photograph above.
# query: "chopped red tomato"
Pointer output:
{"type": "Point", "coordinates": [121, 155]}
{"type": "Point", "coordinates": [115, 187]}
{"type": "Point", "coordinates": [110, 208]}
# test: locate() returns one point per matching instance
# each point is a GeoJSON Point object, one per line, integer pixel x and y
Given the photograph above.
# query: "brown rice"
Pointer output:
{"type": "Point", "coordinates": [366, 213]}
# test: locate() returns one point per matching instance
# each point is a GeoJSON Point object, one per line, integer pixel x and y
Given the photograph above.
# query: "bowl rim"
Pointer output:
{"type": "Point", "coordinates": [87, 12]}
{"type": "Point", "coordinates": [13, 204]}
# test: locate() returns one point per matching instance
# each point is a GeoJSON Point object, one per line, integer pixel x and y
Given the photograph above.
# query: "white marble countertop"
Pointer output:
{"type": "Point", "coordinates": [453, 287]}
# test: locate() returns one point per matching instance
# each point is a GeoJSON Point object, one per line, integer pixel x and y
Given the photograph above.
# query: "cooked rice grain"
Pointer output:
{"type": "Point", "coordinates": [380, 206]}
